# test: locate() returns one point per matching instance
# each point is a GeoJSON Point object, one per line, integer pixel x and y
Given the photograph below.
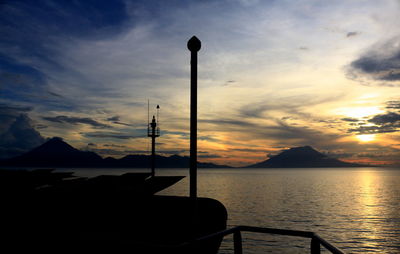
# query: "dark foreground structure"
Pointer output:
{"type": "Point", "coordinates": [50, 212]}
{"type": "Point", "coordinates": [54, 212]}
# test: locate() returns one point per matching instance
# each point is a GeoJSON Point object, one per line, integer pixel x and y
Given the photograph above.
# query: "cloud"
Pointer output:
{"type": "Point", "coordinates": [76, 120]}
{"type": "Point", "coordinates": [114, 145]}
{"type": "Point", "coordinates": [289, 104]}
{"type": "Point", "coordinates": [8, 114]}
{"type": "Point", "coordinates": [114, 118]}
{"type": "Point", "coordinates": [383, 123]}
{"type": "Point", "coordinates": [121, 123]}
{"type": "Point", "coordinates": [380, 63]}
{"type": "Point", "coordinates": [393, 105]}
{"type": "Point", "coordinates": [352, 34]}
{"type": "Point", "coordinates": [19, 136]}
{"type": "Point", "coordinates": [229, 83]}
{"type": "Point", "coordinates": [350, 119]}
{"type": "Point", "coordinates": [41, 126]}
{"type": "Point", "coordinates": [209, 138]}
{"type": "Point", "coordinates": [55, 94]}
{"type": "Point", "coordinates": [115, 135]}
{"type": "Point", "coordinates": [389, 118]}
{"type": "Point", "coordinates": [120, 153]}
{"type": "Point", "coordinates": [23, 84]}
{"type": "Point", "coordinates": [373, 129]}
{"type": "Point", "coordinates": [210, 156]}
{"type": "Point", "coordinates": [12, 109]}
{"type": "Point", "coordinates": [286, 134]}
{"type": "Point", "coordinates": [33, 50]}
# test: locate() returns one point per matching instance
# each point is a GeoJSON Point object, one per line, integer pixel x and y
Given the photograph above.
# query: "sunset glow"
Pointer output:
{"type": "Point", "coordinates": [271, 75]}
{"type": "Point", "coordinates": [360, 112]}
{"type": "Point", "coordinates": [366, 137]}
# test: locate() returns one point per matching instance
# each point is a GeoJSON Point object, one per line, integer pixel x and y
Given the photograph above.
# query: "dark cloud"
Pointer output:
{"type": "Point", "coordinates": [114, 145]}
{"type": "Point", "coordinates": [115, 135]}
{"type": "Point", "coordinates": [120, 153]}
{"type": "Point", "coordinates": [19, 137]}
{"type": "Point", "coordinates": [373, 129]}
{"type": "Point", "coordinates": [208, 138]}
{"type": "Point", "coordinates": [389, 118]}
{"type": "Point", "coordinates": [41, 126]}
{"type": "Point", "coordinates": [180, 133]}
{"type": "Point", "coordinates": [382, 63]}
{"type": "Point", "coordinates": [27, 85]}
{"type": "Point", "coordinates": [114, 118]}
{"type": "Point", "coordinates": [13, 109]}
{"type": "Point", "coordinates": [172, 152]}
{"type": "Point", "coordinates": [382, 123]}
{"type": "Point", "coordinates": [76, 120]}
{"type": "Point", "coordinates": [303, 48]}
{"type": "Point", "coordinates": [393, 105]}
{"type": "Point", "coordinates": [34, 35]}
{"type": "Point", "coordinates": [55, 94]}
{"type": "Point", "coordinates": [164, 152]}
{"type": "Point", "coordinates": [350, 119]}
{"type": "Point", "coordinates": [210, 156]}
{"type": "Point", "coordinates": [378, 153]}
{"type": "Point", "coordinates": [229, 82]}
{"type": "Point", "coordinates": [352, 34]}
{"type": "Point", "coordinates": [35, 21]}
{"type": "Point", "coordinates": [121, 123]}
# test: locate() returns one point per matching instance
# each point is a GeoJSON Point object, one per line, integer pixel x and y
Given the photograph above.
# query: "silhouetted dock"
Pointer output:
{"type": "Point", "coordinates": [48, 210]}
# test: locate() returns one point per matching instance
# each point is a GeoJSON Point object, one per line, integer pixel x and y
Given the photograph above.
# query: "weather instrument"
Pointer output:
{"type": "Point", "coordinates": [153, 131]}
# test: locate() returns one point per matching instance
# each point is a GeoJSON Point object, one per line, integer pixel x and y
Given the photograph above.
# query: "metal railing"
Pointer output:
{"type": "Point", "coordinates": [316, 240]}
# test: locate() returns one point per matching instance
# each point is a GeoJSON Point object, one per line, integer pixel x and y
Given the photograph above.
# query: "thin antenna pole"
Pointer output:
{"type": "Point", "coordinates": [194, 46]}
{"type": "Point", "coordinates": [158, 114]}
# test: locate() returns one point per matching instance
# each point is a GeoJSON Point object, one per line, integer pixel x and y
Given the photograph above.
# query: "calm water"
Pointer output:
{"type": "Point", "coordinates": [356, 209]}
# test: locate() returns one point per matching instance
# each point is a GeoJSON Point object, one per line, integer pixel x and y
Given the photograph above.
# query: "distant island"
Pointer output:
{"type": "Point", "coordinates": [303, 157]}
{"type": "Point", "coordinates": [57, 153]}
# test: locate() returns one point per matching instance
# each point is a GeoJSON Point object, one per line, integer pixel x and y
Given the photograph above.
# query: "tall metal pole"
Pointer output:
{"type": "Point", "coordinates": [153, 146]}
{"type": "Point", "coordinates": [194, 46]}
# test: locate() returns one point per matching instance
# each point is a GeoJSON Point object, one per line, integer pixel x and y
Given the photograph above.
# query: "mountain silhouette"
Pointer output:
{"type": "Point", "coordinates": [57, 153]}
{"type": "Point", "coordinates": [302, 157]}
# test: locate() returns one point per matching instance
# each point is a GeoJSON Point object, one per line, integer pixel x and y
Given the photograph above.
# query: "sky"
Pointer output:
{"type": "Point", "coordinates": [271, 75]}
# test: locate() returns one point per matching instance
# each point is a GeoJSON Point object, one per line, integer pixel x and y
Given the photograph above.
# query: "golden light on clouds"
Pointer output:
{"type": "Point", "coordinates": [366, 137]}
{"type": "Point", "coordinates": [359, 112]}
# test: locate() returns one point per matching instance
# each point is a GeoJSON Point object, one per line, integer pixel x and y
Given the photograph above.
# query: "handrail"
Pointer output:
{"type": "Point", "coordinates": [316, 240]}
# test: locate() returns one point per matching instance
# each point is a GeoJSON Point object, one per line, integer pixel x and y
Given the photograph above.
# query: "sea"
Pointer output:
{"type": "Point", "coordinates": [356, 209]}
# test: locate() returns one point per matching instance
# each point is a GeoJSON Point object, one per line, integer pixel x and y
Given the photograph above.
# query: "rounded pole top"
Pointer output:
{"type": "Point", "coordinates": [194, 44]}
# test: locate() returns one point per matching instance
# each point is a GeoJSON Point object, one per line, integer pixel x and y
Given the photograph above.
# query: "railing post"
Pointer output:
{"type": "Point", "coordinates": [315, 246]}
{"type": "Point", "coordinates": [237, 243]}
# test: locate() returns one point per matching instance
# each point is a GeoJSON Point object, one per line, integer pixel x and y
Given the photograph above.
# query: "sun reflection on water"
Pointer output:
{"type": "Point", "coordinates": [371, 210]}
